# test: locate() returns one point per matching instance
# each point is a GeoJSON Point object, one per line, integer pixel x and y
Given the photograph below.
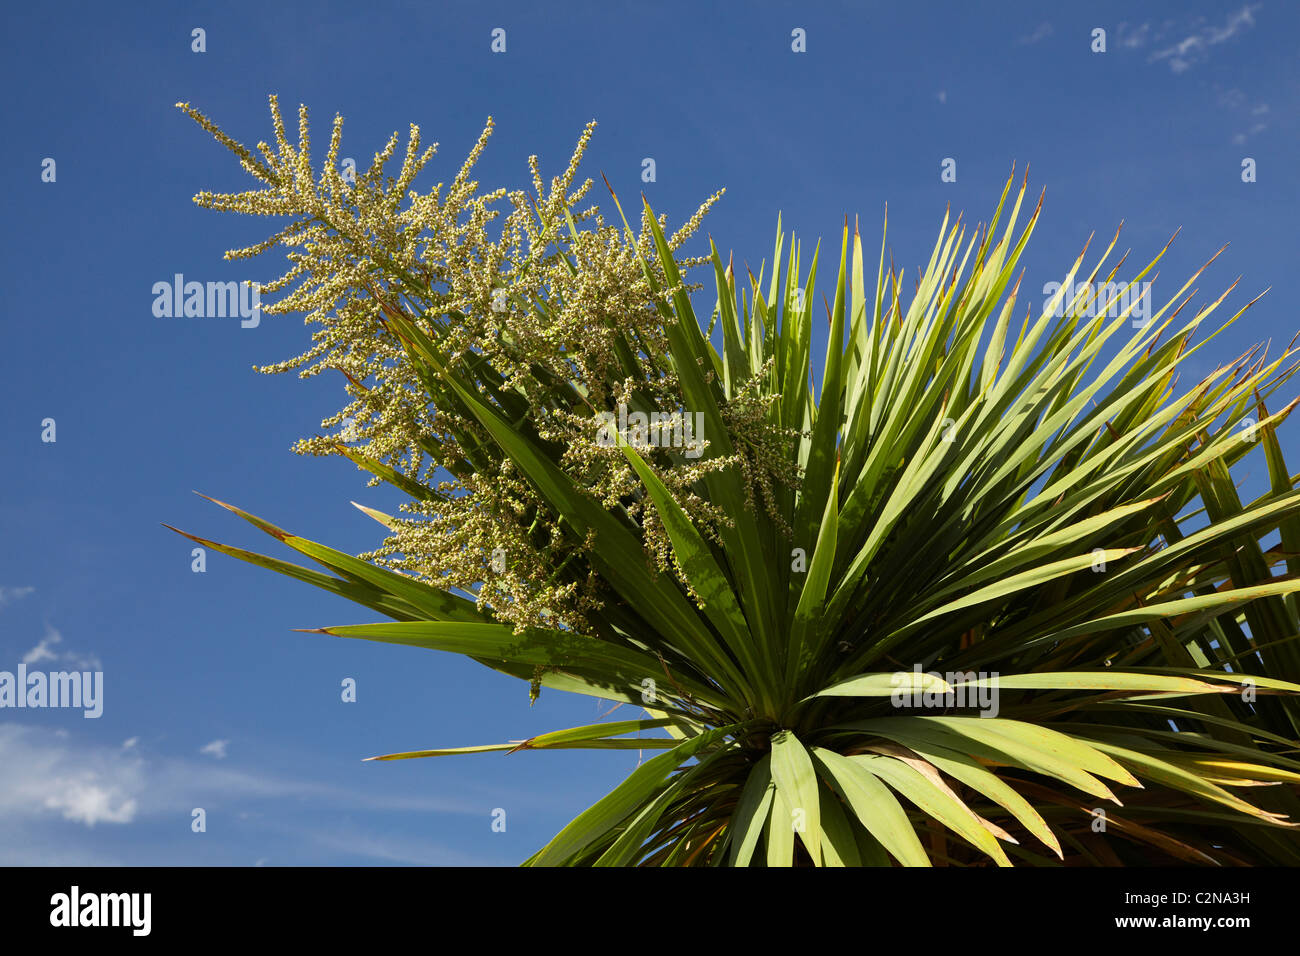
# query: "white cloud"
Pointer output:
{"type": "Point", "coordinates": [130, 742]}
{"type": "Point", "coordinates": [1241, 20]}
{"type": "Point", "coordinates": [1250, 116]}
{"type": "Point", "coordinates": [46, 775]}
{"type": "Point", "coordinates": [942, 96]}
{"type": "Point", "coordinates": [44, 651]}
{"type": "Point", "coordinates": [1240, 138]}
{"type": "Point", "coordinates": [215, 749]}
{"type": "Point", "coordinates": [1042, 32]}
{"type": "Point", "coordinates": [1133, 36]}
{"type": "Point", "coordinates": [390, 850]}
{"type": "Point", "coordinates": [9, 595]}
{"type": "Point", "coordinates": [84, 801]}
{"type": "Point", "coordinates": [55, 787]}
{"type": "Point", "coordinates": [1194, 47]}
{"type": "Point", "coordinates": [1233, 99]}
{"type": "Point", "coordinates": [45, 769]}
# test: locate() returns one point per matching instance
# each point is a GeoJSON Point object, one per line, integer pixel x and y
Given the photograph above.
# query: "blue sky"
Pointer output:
{"type": "Point", "coordinates": [210, 699]}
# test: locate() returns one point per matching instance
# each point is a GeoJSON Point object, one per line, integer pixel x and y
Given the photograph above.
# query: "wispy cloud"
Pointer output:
{"type": "Point", "coordinates": [9, 595]}
{"type": "Point", "coordinates": [1133, 36]}
{"type": "Point", "coordinates": [215, 749]}
{"type": "Point", "coordinates": [1239, 138]}
{"type": "Point", "coordinates": [47, 777]}
{"type": "Point", "coordinates": [393, 851]}
{"type": "Point", "coordinates": [1041, 32]}
{"type": "Point", "coordinates": [1195, 46]}
{"type": "Point", "coordinates": [44, 651]}
{"type": "Point", "coordinates": [57, 790]}
{"type": "Point", "coordinates": [84, 801]}
{"type": "Point", "coordinates": [1252, 117]}
{"type": "Point", "coordinates": [48, 773]}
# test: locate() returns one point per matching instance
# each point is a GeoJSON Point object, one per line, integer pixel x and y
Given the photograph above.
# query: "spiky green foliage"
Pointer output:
{"type": "Point", "coordinates": [1040, 510]}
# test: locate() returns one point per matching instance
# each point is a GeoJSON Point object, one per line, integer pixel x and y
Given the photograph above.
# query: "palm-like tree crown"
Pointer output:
{"type": "Point", "coordinates": [972, 592]}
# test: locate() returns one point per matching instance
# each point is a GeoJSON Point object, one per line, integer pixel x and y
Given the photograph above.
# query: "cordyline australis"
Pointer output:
{"type": "Point", "coordinates": [952, 511]}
